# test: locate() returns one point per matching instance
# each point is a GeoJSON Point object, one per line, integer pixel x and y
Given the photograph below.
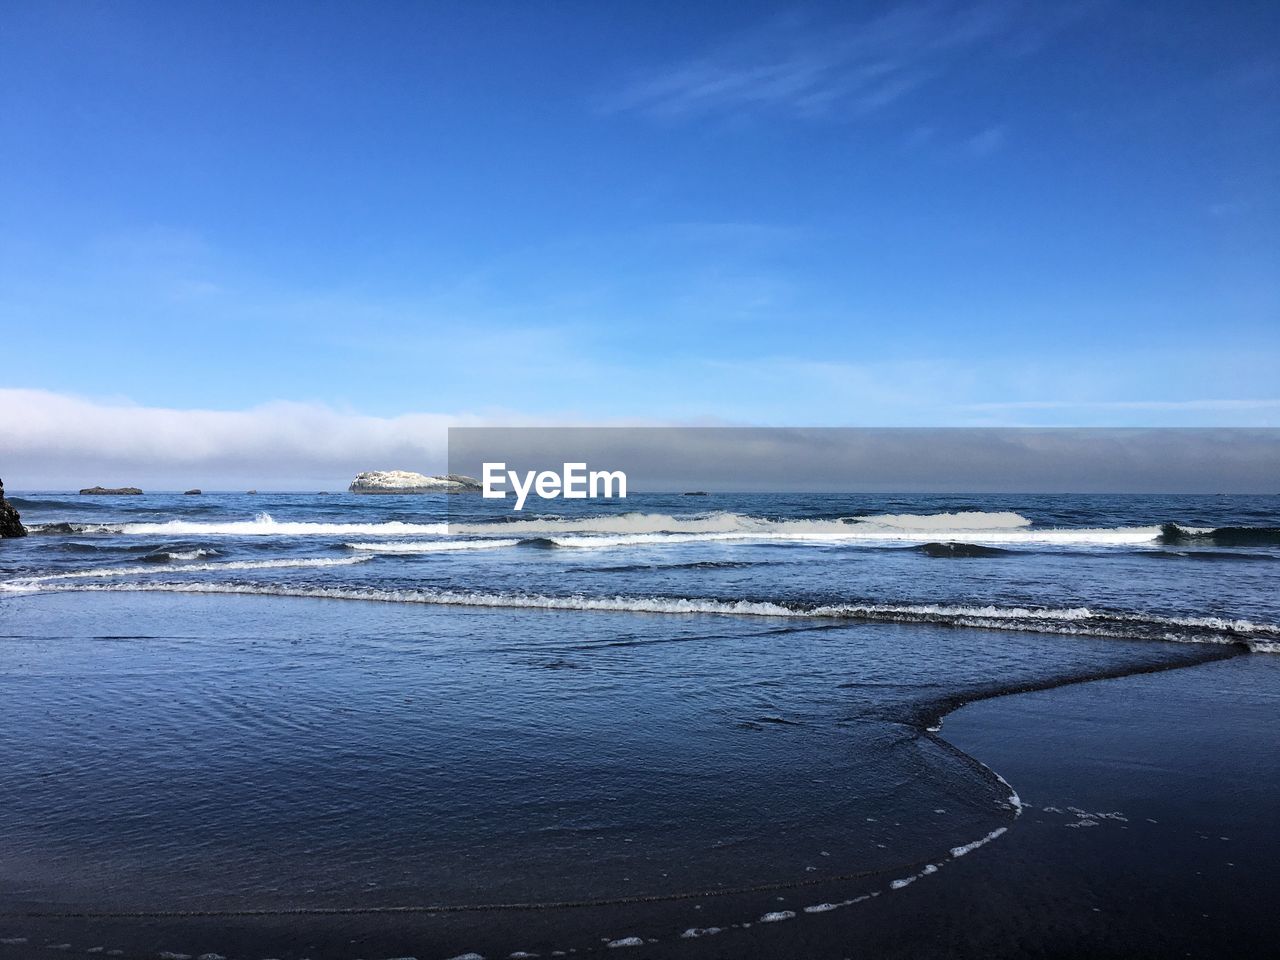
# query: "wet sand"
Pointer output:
{"type": "Point", "coordinates": [1147, 831]}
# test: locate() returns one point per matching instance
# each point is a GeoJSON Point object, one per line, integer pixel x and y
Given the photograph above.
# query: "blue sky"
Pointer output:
{"type": "Point", "coordinates": [846, 214]}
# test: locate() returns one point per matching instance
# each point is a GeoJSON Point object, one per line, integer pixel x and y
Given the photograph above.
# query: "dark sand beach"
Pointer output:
{"type": "Point", "coordinates": [1147, 831]}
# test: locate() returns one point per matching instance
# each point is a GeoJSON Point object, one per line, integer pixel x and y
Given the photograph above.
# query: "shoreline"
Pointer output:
{"type": "Point", "coordinates": [940, 709]}
{"type": "Point", "coordinates": [395, 927]}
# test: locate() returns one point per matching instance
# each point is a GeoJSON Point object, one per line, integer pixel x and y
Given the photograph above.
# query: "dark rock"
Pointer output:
{"type": "Point", "coordinates": [10, 522]}
{"type": "Point", "coordinates": [111, 492]}
{"type": "Point", "coordinates": [62, 527]}
{"type": "Point", "coordinates": [193, 492]}
{"type": "Point", "coordinates": [250, 492]}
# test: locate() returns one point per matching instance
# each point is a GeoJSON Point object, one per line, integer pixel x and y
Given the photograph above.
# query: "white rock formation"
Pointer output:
{"type": "Point", "coordinates": [406, 481]}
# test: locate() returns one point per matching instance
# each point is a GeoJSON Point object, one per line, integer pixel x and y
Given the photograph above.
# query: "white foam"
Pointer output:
{"type": "Point", "coordinates": [94, 573]}
{"type": "Point", "coordinates": [964, 520]}
{"type": "Point", "coordinates": [777, 916]}
{"type": "Point", "coordinates": [627, 942]}
{"type": "Point", "coordinates": [601, 541]}
{"type": "Point", "coordinates": [631, 529]}
{"type": "Point", "coordinates": [657, 528]}
{"type": "Point", "coordinates": [265, 525]}
{"type": "Point", "coordinates": [1067, 621]}
{"type": "Point", "coordinates": [431, 546]}
{"type": "Point", "coordinates": [929, 870]}
{"type": "Point", "coordinates": [188, 554]}
{"type": "Point", "coordinates": [1014, 801]}
{"type": "Point", "coordinates": [970, 847]}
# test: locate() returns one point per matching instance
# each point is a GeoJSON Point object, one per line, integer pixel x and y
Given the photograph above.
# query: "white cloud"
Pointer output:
{"type": "Point", "coordinates": [810, 70]}
{"type": "Point", "coordinates": [1224, 406]}
{"type": "Point", "coordinates": [52, 439]}
{"type": "Point", "coordinates": [986, 142]}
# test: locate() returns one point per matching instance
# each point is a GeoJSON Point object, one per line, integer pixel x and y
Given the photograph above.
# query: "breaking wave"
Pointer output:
{"type": "Point", "coordinates": [638, 529]}
{"type": "Point", "coordinates": [1069, 621]}
{"type": "Point", "coordinates": [431, 546]}
{"type": "Point", "coordinates": [164, 556]}
{"type": "Point", "coordinates": [95, 573]}
{"type": "Point", "coordinates": [1173, 535]}
{"type": "Point", "coordinates": [261, 525]}
{"type": "Point", "coordinates": [731, 523]}
{"type": "Point", "coordinates": [941, 534]}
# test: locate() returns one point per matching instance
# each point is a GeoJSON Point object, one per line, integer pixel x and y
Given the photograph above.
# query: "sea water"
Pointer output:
{"type": "Point", "coordinates": [291, 701]}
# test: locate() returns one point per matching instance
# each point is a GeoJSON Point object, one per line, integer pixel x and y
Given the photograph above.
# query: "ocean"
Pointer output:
{"type": "Point", "coordinates": [266, 703]}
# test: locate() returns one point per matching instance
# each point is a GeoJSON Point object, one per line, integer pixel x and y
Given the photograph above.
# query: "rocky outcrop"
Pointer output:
{"type": "Point", "coordinates": [10, 522]}
{"type": "Point", "coordinates": [405, 481]}
{"type": "Point", "coordinates": [193, 492]}
{"type": "Point", "coordinates": [111, 492]}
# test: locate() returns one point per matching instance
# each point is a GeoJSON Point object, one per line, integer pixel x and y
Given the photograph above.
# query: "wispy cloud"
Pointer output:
{"type": "Point", "coordinates": [986, 142]}
{"type": "Point", "coordinates": [804, 68]}
{"type": "Point", "coordinates": [1225, 406]}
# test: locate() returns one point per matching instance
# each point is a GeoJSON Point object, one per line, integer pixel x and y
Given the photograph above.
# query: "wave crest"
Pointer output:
{"type": "Point", "coordinates": [1173, 535]}
{"type": "Point", "coordinates": [96, 573]}
{"type": "Point", "coordinates": [261, 525]}
{"type": "Point", "coordinates": [1071, 621]}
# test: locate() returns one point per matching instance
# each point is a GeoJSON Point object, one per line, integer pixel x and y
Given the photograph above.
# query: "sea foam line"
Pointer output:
{"type": "Point", "coordinates": [94, 573]}
{"type": "Point", "coordinates": [187, 554]}
{"type": "Point", "coordinates": [968, 527]}
{"type": "Point", "coordinates": [643, 528]}
{"type": "Point", "coordinates": [431, 546]}
{"type": "Point", "coordinates": [729, 522]}
{"type": "Point", "coordinates": [1069, 621]}
{"type": "Point", "coordinates": [261, 525]}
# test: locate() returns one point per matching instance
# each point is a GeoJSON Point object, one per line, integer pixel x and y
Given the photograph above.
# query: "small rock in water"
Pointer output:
{"type": "Point", "coordinates": [406, 481]}
{"type": "Point", "coordinates": [10, 522]}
